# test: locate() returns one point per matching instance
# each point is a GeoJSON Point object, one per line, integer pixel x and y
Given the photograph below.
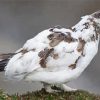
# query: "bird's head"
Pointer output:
{"type": "Point", "coordinates": [96, 16]}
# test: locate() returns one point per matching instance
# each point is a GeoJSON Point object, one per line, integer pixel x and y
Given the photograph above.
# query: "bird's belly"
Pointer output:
{"type": "Point", "coordinates": [57, 77]}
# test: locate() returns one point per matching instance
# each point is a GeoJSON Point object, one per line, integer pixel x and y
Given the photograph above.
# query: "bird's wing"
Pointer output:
{"type": "Point", "coordinates": [50, 50]}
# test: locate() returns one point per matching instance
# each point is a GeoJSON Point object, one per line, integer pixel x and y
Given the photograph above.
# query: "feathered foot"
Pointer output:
{"type": "Point", "coordinates": [48, 88]}
{"type": "Point", "coordinates": [58, 88]}
{"type": "Point", "coordinates": [67, 88]}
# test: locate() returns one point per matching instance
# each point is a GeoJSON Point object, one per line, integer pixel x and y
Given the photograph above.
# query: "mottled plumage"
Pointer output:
{"type": "Point", "coordinates": [57, 55]}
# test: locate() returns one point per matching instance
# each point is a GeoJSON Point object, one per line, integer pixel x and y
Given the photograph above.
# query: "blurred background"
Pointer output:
{"type": "Point", "coordinates": [23, 19]}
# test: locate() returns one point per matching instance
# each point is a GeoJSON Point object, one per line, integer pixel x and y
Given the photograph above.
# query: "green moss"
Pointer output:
{"type": "Point", "coordinates": [42, 95]}
{"type": "Point", "coordinates": [3, 96]}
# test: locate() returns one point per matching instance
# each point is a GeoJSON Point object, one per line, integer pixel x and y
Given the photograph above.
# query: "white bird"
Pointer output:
{"type": "Point", "coordinates": [56, 55]}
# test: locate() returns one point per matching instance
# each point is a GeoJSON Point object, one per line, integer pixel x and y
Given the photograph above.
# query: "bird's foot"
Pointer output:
{"type": "Point", "coordinates": [50, 89]}
{"type": "Point", "coordinates": [58, 88]}
{"type": "Point", "coordinates": [67, 88]}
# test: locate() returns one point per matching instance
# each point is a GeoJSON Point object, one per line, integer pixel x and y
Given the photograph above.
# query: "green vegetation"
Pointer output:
{"type": "Point", "coordinates": [42, 95]}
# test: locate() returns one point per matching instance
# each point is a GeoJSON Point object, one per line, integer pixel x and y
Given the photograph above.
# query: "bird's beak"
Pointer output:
{"type": "Point", "coordinates": [96, 14]}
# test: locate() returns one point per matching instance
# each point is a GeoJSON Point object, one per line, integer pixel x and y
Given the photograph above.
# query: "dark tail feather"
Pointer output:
{"type": "Point", "coordinates": [4, 58]}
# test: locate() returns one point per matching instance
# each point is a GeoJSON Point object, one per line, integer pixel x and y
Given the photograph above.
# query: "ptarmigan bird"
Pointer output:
{"type": "Point", "coordinates": [56, 55]}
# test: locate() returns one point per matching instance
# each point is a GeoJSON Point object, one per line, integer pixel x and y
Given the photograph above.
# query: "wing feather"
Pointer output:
{"type": "Point", "coordinates": [26, 62]}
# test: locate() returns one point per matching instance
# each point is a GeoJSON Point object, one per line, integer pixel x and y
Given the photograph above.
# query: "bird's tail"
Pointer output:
{"type": "Point", "coordinates": [4, 58]}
